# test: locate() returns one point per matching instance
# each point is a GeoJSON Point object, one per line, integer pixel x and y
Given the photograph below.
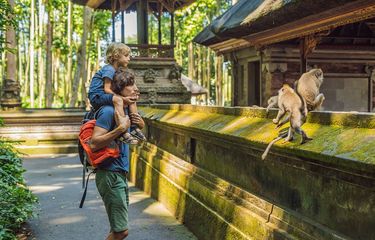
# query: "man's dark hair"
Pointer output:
{"type": "Point", "coordinates": [122, 79]}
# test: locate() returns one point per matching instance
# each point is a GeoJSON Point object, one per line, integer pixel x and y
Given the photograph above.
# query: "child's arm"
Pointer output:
{"type": "Point", "coordinates": [107, 86]}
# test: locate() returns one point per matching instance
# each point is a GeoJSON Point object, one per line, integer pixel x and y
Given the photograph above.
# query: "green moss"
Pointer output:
{"type": "Point", "coordinates": [329, 141]}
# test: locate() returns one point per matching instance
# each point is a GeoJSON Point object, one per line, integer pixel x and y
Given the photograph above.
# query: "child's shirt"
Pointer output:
{"type": "Point", "coordinates": [97, 82]}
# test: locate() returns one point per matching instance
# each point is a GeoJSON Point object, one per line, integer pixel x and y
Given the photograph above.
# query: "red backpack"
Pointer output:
{"type": "Point", "coordinates": [87, 156]}
{"type": "Point", "coordinates": [97, 157]}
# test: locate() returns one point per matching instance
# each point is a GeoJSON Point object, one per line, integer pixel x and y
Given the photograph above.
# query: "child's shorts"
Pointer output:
{"type": "Point", "coordinates": [101, 100]}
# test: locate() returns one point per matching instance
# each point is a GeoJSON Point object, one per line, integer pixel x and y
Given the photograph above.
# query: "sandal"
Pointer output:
{"type": "Point", "coordinates": [128, 139]}
{"type": "Point", "coordinates": [137, 133]}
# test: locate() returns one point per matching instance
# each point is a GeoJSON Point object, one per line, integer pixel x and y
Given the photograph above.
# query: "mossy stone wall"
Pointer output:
{"type": "Point", "coordinates": [319, 190]}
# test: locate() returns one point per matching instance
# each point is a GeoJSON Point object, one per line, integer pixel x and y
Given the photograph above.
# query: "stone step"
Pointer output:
{"type": "Point", "coordinates": [42, 131]}
{"type": "Point", "coordinates": [43, 149]}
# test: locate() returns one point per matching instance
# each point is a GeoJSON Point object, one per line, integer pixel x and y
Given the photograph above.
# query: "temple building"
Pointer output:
{"type": "Point", "coordinates": [157, 74]}
{"type": "Point", "coordinates": [272, 42]}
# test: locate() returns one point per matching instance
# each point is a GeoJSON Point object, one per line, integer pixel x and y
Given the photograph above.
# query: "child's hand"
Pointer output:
{"type": "Point", "coordinates": [137, 119]}
{"type": "Point", "coordinates": [128, 100]}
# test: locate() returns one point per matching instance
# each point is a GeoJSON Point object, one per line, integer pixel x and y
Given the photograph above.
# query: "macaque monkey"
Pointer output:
{"type": "Point", "coordinates": [290, 102]}
{"type": "Point", "coordinates": [272, 102]}
{"type": "Point", "coordinates": [308, 87]}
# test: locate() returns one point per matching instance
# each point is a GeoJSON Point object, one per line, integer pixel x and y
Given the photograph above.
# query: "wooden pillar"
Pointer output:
{"type": "Point", "coordinates": [142, 22]}
{"type": "Point", "coordinates": [302, 52]}
{"type": "Point", "coordinates": [371, 90]}
{"type": "Point", "coordinates": [113, 28]}
{"type": "Point", "coordinates": [159, 22]}
{"type": "Point", "coordinates": [123, 26]}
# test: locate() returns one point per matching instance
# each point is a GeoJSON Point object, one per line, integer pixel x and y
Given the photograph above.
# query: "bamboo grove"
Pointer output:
{"type": "Point", "coordinates": [59, 46]}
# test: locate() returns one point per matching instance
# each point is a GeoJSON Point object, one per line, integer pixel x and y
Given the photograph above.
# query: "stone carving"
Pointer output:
{"type": "Point", "coordinates": [149, 76]}
{"type": "Point", "coordinates": [11, 94]}
{"type": "Point", "coordinates": [175, 72]}
{"type": "Point", "coordinates": [152, 96]}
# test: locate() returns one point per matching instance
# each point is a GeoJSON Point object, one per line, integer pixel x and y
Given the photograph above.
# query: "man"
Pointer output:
{"type": "Point", "coordinates": [111, 174]}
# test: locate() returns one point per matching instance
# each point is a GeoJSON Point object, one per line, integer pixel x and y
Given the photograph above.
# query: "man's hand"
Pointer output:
{"type": "Point", "coordinates": [137, 119]}
{"type": "Point", "coordinates": [124, 121]}
{"type": "Point", "coordinates": [129, 100]}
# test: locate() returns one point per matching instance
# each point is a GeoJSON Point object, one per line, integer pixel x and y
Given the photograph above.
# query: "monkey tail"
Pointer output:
{"type": "Point", "coordinates": [264, 155]}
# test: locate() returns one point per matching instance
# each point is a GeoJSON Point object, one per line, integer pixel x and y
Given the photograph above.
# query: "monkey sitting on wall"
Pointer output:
{"type": "Point", "coordinates": [308, 86]}
{"type": "Point", "coordinates": [290, 102]}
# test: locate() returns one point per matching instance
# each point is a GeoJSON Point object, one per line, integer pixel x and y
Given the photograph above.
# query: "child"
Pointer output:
{"type": "Point", "coordinates": [100, 93]}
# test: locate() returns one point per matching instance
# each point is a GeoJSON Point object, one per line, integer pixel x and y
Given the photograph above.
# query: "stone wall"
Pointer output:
{"type": "Point", "coordinates": [203, 164]}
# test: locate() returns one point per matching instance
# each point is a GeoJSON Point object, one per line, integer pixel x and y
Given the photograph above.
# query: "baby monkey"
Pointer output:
{"type": "Point", "coordinates": [292, 103]}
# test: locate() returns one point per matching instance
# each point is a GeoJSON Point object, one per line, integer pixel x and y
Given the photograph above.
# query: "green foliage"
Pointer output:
{"type": "Point", "coordinates": [16, 201]}
{"type": "Point", "coordinates": [6, 19]}
{"type": "Point", "coordinates": [191, 20]}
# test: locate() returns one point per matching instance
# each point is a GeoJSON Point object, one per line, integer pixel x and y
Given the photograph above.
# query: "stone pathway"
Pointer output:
{"type": "Point", "coordinates": [57, 181]}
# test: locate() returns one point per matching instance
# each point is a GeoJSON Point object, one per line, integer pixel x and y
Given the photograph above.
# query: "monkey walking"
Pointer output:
{"type": "Point", "coordinates": [290, 102]}
{"type": "Point", "coordinates": [282, 134]}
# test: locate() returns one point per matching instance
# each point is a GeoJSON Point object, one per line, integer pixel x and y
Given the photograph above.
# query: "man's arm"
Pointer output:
{"type": "Point", "coordinates": [101, 137]}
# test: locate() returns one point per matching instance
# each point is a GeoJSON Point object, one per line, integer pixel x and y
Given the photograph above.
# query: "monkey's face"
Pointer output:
{"type": "Point", "coordinates": [318, 74]}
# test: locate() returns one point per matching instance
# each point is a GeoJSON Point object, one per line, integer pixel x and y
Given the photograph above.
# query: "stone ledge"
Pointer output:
{"type": "Point", "coordinates": [349, 146]}
{"type": "Point", "coordinates": [348, 119]}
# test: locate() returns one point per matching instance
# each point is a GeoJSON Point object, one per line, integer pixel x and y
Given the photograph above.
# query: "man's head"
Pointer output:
{"type": "Point", "coordinates": [124, 83]}
{"type": "Point", "coordinates": [118, 54]}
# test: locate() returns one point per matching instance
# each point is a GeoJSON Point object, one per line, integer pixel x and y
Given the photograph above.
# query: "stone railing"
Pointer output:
{"type": "Point", "coordinates": [151, 51]}
{"type": "Point", "coordinates": [204, 165]}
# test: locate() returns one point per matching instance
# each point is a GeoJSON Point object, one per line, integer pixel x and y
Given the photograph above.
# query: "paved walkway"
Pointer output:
{"type": "Point", "coordinates": [57, 181]}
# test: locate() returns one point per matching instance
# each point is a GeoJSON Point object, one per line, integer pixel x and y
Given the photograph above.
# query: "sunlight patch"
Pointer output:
{"type": "Point", "coordinates": [44, 188]}
{"type": "Point", "coordinates": [68, 220]}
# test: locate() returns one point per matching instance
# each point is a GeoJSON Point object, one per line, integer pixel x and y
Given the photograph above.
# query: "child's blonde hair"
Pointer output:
{"type": "Point", "coordinates": [114, 51]}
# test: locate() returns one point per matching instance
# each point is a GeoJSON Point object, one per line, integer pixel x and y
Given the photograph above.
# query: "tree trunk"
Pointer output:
{"type": "Point", "coordinates": [40, 56]}
{"type": "Point", "coordinates": [199, 64]}
{"type": "Point", "coordinates": [99, 53]}
{"type": "Point", "coordinates": [68, 75]}
{"type": "Point", "coordinates": [191, 60]}
{"type": "Point", "coordinates": [31, 53]}
{"type": "Point", "coordinates": [20, 65]}
{"type": "Point", "coordinates": [81, 58]}
{"type": "Point", "coordinates": [219, 80]}
{"type": "Point", "coordinates": [48, 90]}
{"type": "Point", "coordinates": [86, 70]}
{"type": "Point", "coordinates": [208, 74]}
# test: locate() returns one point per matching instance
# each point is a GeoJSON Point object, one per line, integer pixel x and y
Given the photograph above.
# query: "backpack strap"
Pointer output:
{"type": "Point", "coordinates": [85, 192]}
{"type": "Point", "coordinates": [96, 112]}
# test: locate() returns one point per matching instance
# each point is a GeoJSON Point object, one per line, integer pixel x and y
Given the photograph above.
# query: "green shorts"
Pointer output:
{"type": "Point", "coordinates": [113, 188]}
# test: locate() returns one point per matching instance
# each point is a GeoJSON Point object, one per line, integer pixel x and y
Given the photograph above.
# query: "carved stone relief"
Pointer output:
{"type": "Point", "coordinates": [175, 72]}
{"type": "Point", "coordinates": [152, 96]}
{"type": "Point", "coordinates": [149, 76]}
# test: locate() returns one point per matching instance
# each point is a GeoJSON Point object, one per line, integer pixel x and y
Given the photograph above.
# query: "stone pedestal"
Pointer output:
{"type": "Point", "coordinates": [10, 94]}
